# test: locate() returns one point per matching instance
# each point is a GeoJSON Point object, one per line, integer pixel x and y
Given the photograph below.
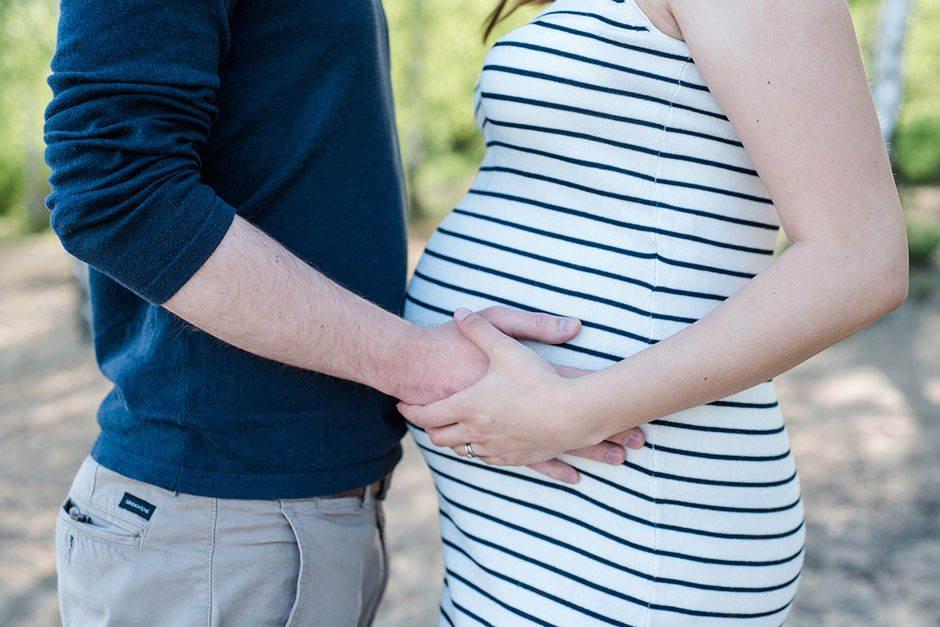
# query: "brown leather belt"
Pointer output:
{"type": "Point", "coordinates": [379, 489]}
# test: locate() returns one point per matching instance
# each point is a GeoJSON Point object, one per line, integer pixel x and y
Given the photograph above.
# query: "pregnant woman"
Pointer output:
{"type": "Point", "coordinates": [639, 190]}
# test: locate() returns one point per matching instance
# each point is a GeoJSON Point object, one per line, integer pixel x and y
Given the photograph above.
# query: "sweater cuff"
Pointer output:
{"type": "Point", "coordinates": [191, 255]}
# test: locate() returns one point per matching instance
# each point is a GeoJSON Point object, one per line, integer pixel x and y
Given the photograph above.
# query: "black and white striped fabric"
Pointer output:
{"type": "Point", "coordinates": [614, 190]}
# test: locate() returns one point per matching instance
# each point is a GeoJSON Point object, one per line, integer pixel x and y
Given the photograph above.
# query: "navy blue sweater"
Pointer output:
{"type": "Point", "coordinates": [167, 119]}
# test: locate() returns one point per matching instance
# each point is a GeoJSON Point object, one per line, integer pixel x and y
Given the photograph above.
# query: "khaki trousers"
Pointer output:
{"type": "Point", "coordinates": [129, 553]}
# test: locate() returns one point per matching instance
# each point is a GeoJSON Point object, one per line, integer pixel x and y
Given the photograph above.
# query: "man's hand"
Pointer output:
{"type": "Point", "coordinates": [445, 362]}
{"type": "Point", "coordinates": [496, 413]}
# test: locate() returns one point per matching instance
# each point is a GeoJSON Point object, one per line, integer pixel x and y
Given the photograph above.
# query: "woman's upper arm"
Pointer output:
{"type": "Point", "coordinates": [790, 78]}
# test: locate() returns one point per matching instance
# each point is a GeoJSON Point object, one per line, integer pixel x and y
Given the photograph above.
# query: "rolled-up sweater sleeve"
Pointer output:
{"type": "Point", "coordinates": [133, 85]}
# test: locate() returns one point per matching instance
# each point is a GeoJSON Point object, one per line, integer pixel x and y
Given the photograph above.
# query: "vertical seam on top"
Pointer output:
{"type": "Point", "coordinates": [212, 532]}
{"type": "Point", "coordinates": [184, 410]}
{"type": "Point", "coordinates": [652, 296]}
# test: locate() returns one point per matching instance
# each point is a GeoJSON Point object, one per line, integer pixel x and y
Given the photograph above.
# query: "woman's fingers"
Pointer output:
{"type": "Point", "coordinates": [452, 436]}
{"type": "Point", "coordinates": [526, 325]}
{"type": "Point", "coordinates": [553, 468]}
{"type": "Point", "coordinates": [461, 451]}
{"type": "Point", "coordinates": [570, 372]}
{"type": "Point", "coordinates": [487, 337]}
{"type": "Point", "coordinates": [437, 414]}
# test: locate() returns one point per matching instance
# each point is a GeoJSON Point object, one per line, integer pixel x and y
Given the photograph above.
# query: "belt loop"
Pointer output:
{"type": "Point", "coordinates": [384, 483]}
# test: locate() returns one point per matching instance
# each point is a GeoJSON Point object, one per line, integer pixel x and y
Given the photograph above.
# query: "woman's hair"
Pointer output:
{"type": "Point", "coordinates": [498, 14]}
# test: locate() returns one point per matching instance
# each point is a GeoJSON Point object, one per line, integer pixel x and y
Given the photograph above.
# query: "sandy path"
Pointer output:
{"type": "Point", "coordinates": [863, 419]}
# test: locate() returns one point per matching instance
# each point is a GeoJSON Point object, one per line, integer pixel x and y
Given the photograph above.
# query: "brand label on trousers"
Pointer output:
{"type": "Point", "coordinates": [139, 506]}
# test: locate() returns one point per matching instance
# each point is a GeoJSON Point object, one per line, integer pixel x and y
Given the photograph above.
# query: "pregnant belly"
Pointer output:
{"type": "Point", "coordinates": [619, 299]}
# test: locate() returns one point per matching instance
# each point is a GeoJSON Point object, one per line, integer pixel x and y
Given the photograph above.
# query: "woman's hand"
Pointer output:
{"type": "Point", "coordinates": [521, 412]}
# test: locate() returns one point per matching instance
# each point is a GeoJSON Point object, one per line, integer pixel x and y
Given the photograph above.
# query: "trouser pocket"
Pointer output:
{"type": "Point", "coordinates": [84, 521]}
{"type": "Point", "coordinates": [95, 553]}
{"type": "Point", "coordinates": [343, 566]}
{"type": "Point", "coordinates": [127, 554]}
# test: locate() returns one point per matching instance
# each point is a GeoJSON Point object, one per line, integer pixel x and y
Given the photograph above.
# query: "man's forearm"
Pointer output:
{"type": "Point", "coordinates": [256, 295]}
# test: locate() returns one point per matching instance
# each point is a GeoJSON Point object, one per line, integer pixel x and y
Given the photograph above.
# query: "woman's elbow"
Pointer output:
{"type": "Point", "coordinates": [893, 277]}
{"type": "Point", "coordinates": [896, 292]}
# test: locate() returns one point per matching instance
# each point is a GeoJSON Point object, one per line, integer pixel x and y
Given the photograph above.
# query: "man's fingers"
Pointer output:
{"type": "Point", "coordinates": [525, 325]}
{"type": "Point", "coordinates": [605, 452]}
{"type": "Point", "coordinates": [557, 469]}
{"type": "Point", "coordinates": [631, 438]}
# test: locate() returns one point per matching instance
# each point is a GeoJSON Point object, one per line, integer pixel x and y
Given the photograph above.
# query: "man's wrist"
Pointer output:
{"type": "Point", "coordinates": [402, 369]}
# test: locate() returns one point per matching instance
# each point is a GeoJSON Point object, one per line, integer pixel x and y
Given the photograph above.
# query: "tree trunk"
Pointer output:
{"type": "Point", "coordinates": [888, 90]}
{"type": "Point", "coordinates": [414, 83]}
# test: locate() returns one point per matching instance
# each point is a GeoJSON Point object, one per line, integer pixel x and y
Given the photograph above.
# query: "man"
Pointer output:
{"type": "Point", "coordinates": [230, 172]}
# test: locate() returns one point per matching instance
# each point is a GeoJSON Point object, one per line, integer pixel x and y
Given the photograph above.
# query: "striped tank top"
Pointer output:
{"type": "Point", "coordinates": [614, 190]}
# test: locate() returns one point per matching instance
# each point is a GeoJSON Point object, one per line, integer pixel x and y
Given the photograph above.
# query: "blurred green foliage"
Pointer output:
{"type": "Point", "coordinates": [923, 240]}
{"type": "Point", "coordinates": [916, 149]}
{"type": "Point", "coordinates": [27, 37]}
{"type": "Point", "coordinates": [918, 140]}
{"type": "Point", "coordinates": [436, 56]}
{"type": "Point", "coordinates": [437, 53]}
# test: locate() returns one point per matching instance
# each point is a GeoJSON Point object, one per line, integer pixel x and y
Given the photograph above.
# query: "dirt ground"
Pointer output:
{"type": "Point", "coordinates": [863, 419]}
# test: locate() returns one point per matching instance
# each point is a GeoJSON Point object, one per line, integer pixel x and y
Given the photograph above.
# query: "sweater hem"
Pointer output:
{"type": "Point", "coordinates": [243, 485]}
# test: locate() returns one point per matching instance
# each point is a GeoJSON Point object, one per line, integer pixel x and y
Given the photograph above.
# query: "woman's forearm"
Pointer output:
{"type": "Point", "coordinates": [811, 297]}
{"type": "Point", "coordinates": [789, 78]}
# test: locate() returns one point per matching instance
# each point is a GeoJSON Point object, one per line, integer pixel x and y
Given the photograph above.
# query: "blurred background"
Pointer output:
{"type": "Point", "coordinates": [863, 416]}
